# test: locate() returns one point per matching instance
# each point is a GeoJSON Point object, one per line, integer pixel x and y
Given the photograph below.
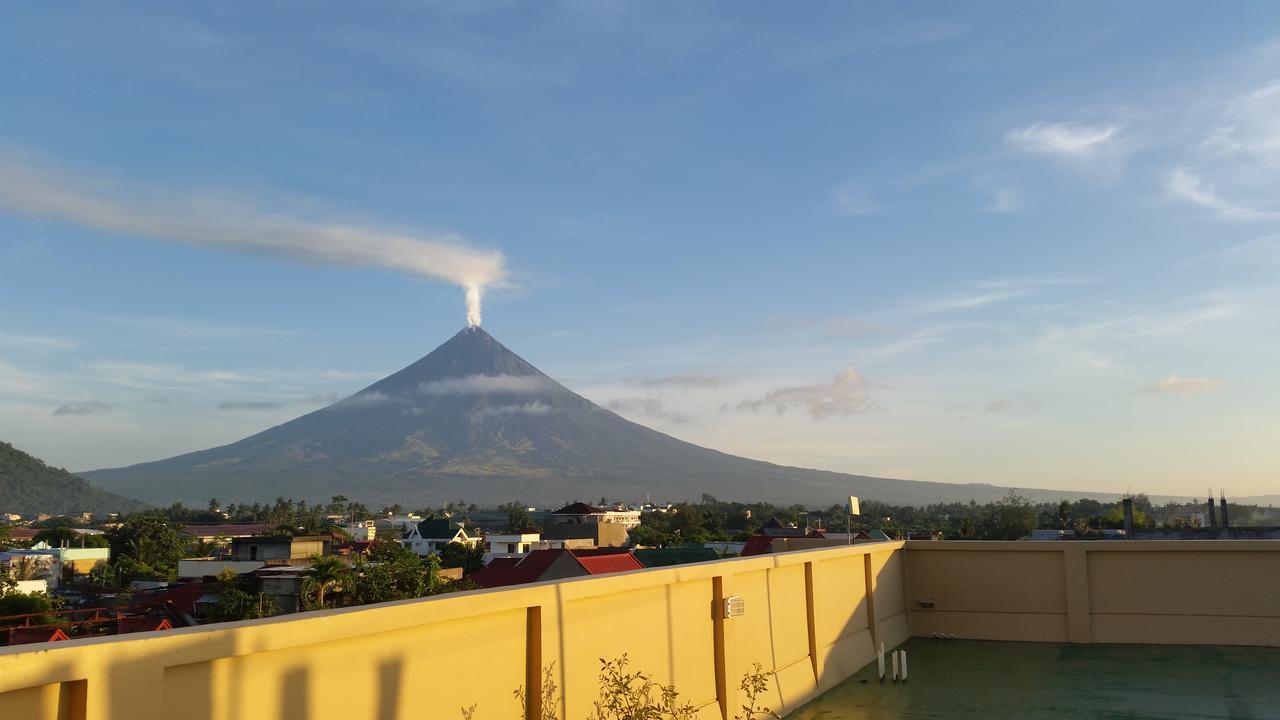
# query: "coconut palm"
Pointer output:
{"type": "Point", "coordinates": [327, 574]}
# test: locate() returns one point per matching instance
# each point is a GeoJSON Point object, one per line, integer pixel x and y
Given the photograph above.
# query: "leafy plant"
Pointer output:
{"type": "Point", "coordinates": [635, 696]}
{"type": "Point", "coordinates": [234, 603]}
{"type": "Point", "coordinates": [754, 684]}
{"type": "Point", "coordinates": [550, 696]}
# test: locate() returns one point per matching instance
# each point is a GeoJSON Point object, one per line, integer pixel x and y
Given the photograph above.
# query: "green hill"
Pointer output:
{"type": "Point", "coordinates": [28, 485]}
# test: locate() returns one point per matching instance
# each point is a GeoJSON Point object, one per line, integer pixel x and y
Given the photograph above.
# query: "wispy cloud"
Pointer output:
{"type": "Point", "coordinates": [87, 407]}
{"type": "Point", "coordinates": [36, 342]}
{"type": "Point", "coordinates": [148, 376]}
{"type": "Point", "coordinates": [184, 328]}
{"type": "Point", "coordinates": [1184, 184]}
{"type": "Point", "coordinates": [278, 403]}
{"type": "Point", "coordinates": [369, 398]}
{"type": "Point", "coordinates": [966, 302]}
{"type": "Point", "coordinates": [533, 408]}
{"type": "Point", "coordinates": [847, 394]}
{"type": "Point", "coordinates": [646, 407]}
{"type": "Point", "coordinates": [206, 221]}
{"type": "Point", "coordinates": [683, 382]}
{"type": "Point", "coordinates": [1004, 200]}
{"type": "Point", "coordinates": [485, 384]}
{"type": "Point", "coordinates": [1176, 385]}
{"type": "Point", "coordinates": [1063, 139]}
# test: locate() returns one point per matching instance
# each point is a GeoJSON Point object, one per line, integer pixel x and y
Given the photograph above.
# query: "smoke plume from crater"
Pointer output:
{"type": "Point", "coordinates": [203, 221]}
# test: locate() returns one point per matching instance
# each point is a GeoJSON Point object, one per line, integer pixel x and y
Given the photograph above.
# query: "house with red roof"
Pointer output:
{"type": "Point", "coordinates": [559, 564]}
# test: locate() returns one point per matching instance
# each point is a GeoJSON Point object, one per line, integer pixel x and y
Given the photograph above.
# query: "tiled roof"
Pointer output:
{"type": "Point", "coordinates": [757, 545]}
{"type": "Point", "coordinates": [437, 528]}
{"type": "Point", "coordinates": [579, 508]}
{"type": "Point", "coordinates": [517, 571]}
{"type": "Point", "coordinates": [606, 560]}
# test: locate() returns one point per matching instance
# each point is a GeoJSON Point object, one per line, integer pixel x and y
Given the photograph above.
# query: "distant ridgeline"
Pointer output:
{"type": "Point", "coordinates": [28, 485]}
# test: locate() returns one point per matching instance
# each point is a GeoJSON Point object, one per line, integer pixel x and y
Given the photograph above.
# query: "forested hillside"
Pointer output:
{"type": "Point", "coordinates": [28, 485]}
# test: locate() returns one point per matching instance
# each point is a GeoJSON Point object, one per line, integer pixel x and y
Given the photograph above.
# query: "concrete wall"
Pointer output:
{"type": "Point", "coordinates": [1177, 592]}
{"type": "Point", "coordinates": [813, 617]}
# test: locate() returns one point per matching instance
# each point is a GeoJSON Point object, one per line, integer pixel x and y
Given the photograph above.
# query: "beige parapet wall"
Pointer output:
{"type": "Point", "coordinates": [1193, 592]}
{"type": "Point", "coordinates": [809, 617]}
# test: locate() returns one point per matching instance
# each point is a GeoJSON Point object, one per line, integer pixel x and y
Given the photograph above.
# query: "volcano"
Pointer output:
{"type": "Point", "coordinates": [473, 420]}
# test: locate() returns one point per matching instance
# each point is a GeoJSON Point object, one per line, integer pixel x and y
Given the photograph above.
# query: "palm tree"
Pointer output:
{"type": "Point", "coordinates": [327, 574]}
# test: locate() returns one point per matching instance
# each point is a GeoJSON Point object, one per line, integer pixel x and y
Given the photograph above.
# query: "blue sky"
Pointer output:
{"type": "Point", "coordinates": [970, 244]}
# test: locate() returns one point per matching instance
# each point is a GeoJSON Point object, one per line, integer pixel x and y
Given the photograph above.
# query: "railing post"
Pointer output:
{"type": "Point", "coordinates": [869, 580]}
{"type": "Point", "coordinates": [1079, 619]}
{"type": "Point", "coordinates": [723, 646]}
{"type": "Point", "coordinates": [533, 663]}
{"type": "Point", "coordinates": [811, 621]}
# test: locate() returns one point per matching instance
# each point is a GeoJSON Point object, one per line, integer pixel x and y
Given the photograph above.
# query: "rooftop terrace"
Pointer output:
{"type": "Point", "coordinates": [983, 680]}
{"type": "Point", "coordinates": [809, 618]}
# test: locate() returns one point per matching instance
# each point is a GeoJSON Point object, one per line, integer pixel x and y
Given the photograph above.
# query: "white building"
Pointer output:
{"type": "Point", "coordinates": [430, 536]}
{"type": "Point", "coordinates": [582, 513]}
{"type": "Point", "coordinates": [513, 545]}
{"type": "Point", "coordinates": [362, 531]}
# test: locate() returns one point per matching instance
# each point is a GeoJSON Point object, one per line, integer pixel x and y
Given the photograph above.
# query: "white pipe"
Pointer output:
{"type": "Point", "coordinates": [904, 665]}
{"type": "Point", "coordinates": [880, 661]}
{"type": "Point", "coordinates": [895, 666]}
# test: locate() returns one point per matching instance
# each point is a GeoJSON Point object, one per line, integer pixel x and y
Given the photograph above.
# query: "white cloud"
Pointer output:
{"type": "Point", "coordinates": [966, 302]}
{"type": "Point", "coordinates": [646, 407]}
{"type": "Point", "coordinates": [278, 403]}
{"type": "Point", "coordinates": [36, 342]}
{"type": "Point", "coordinates": [849, 393]}
{"type": "Point", "coordinates": [365, 399]}
{"type": "Point", "coordinates": [533, 408]}
{"type": "Point", "coordinates": [1184, 184]}
{"type": "Point", "coordinates": [1063, 139]}
{"type": "Point", "coordinates": [684, 382]}
{"type": "Point", "coordinates": [1176, 385]}
{"type": "Point", "coordinates": [204, 221]}
{"type": "Point", "coordinates": [150, 376]}
{"type": "Point", "coordinates": [1004, 200]}
{"type": "Point", "coordinates": [485, 384]}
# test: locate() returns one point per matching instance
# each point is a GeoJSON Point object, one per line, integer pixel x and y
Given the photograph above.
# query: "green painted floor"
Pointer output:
{"type": "Point", "coordinates": [999, 681]}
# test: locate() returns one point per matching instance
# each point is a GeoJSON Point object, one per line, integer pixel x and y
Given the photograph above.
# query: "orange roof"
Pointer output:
{"type": "Point", "coordinates": [606, 560]}
{"type": "Point", "coordinates": [517, 571]}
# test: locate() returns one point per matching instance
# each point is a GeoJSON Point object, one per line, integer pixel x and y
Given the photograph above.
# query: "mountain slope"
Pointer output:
{"type": "Point", "coordinates": [28, 485]}
{"type": "Point", "coordinates": [473, 420]}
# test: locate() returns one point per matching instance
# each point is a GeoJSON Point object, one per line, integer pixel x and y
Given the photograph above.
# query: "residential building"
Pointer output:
{"type": "Point", "coordinates": [587, 534]}
{"type": "Point", "coordinates": [55, 564]}
{"type": "Point", "coordinates": [429, 537]}
{"type": "Point", "coordinates": [279, 549]}
{"type": "Point", "coordinates": [541, 565]}
{"type": "Point", "coordinates": [509, 545]}
{"type": "Point", "coordinates": [582, 513]}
